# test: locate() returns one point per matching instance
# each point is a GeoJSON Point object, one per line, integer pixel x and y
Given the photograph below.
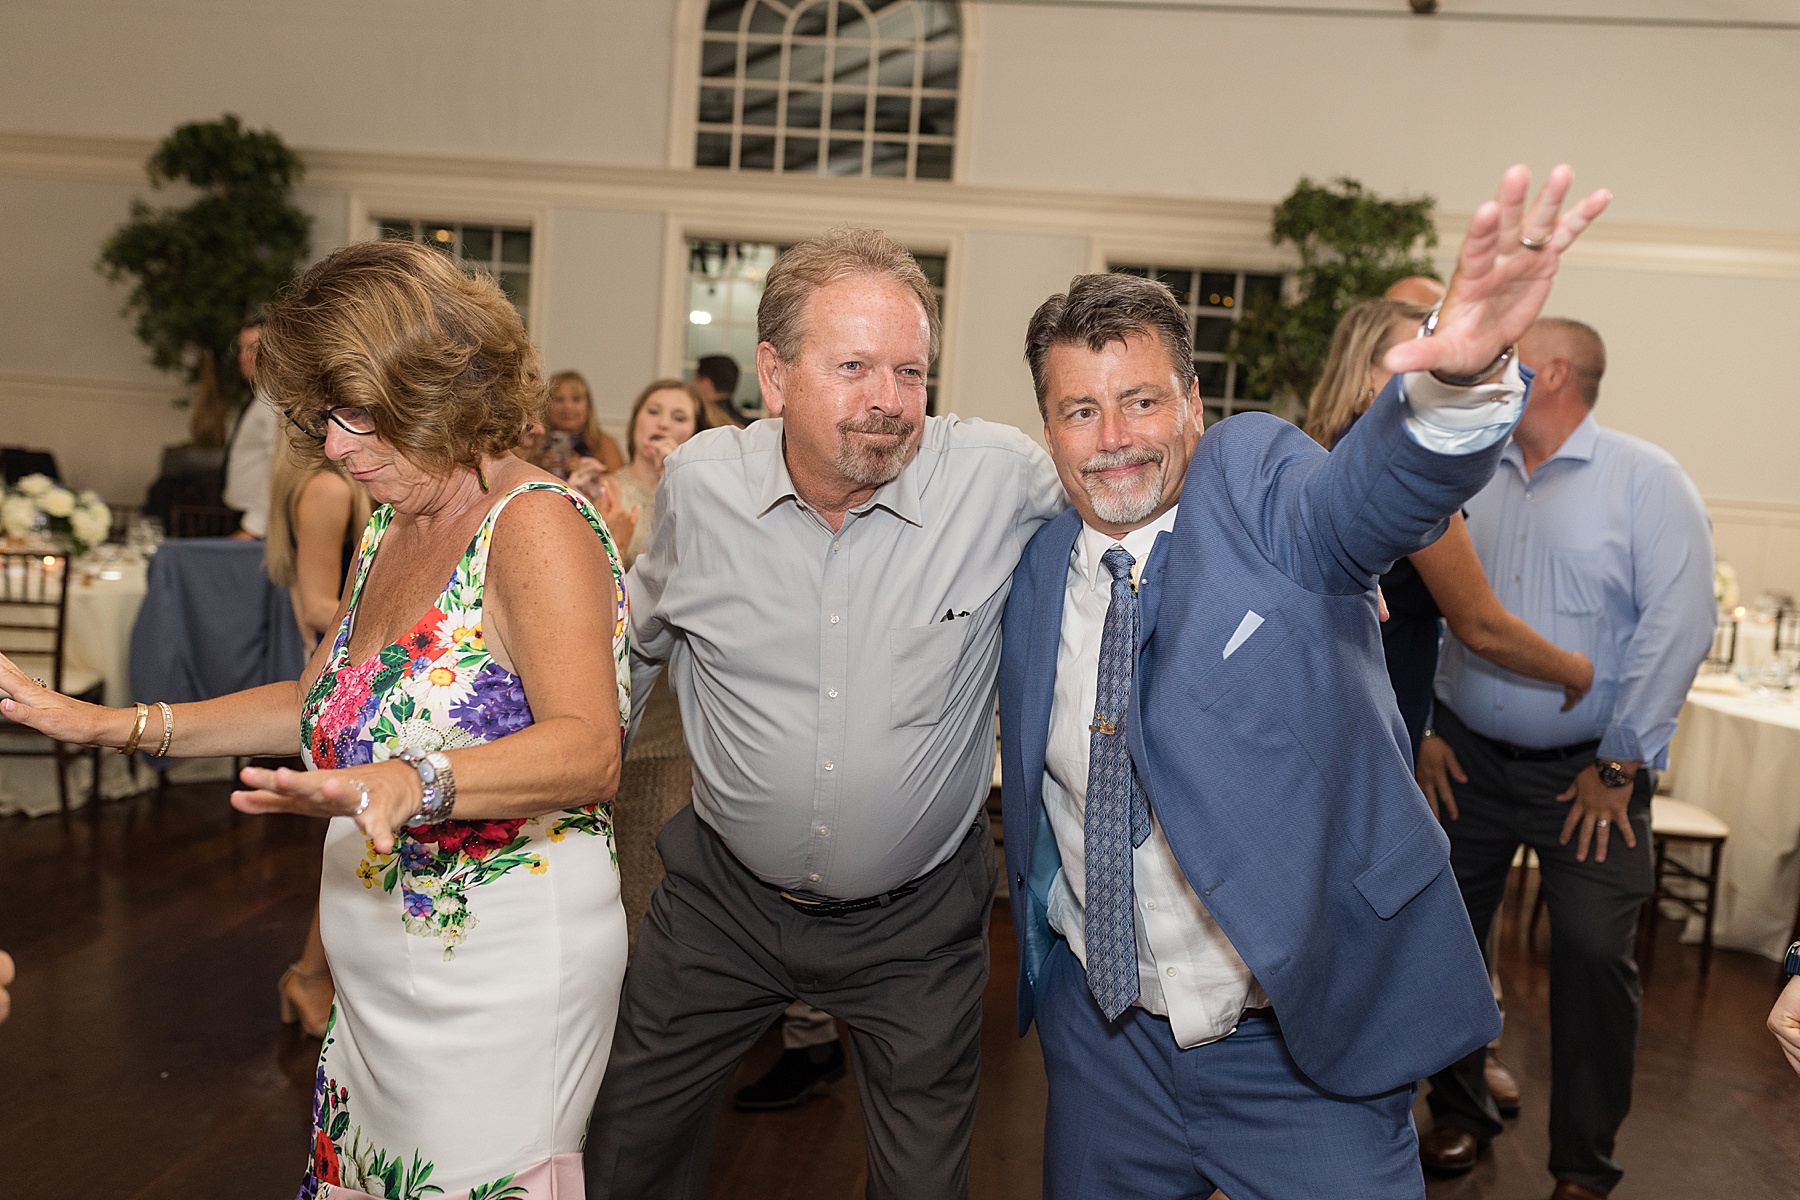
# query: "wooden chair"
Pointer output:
{"type": "Point", "coordinates": [34, 609]}
{"type": "Point", "coordinates": [199, 521]}
{"type": "Point", "coordinates": [1673, 820]}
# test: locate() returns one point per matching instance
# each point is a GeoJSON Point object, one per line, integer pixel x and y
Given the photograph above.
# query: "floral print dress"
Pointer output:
{"type": "Point", "coordinates": [478, 966]}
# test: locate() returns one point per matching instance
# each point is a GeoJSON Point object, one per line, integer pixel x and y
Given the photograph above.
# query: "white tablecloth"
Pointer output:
{"type": "Point", "coordinates": [1738, 756]}
{"type": "Point", "coordinates": [103, 604]}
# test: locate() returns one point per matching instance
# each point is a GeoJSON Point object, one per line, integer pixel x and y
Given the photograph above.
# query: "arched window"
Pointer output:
{"type": "Point", "coordinates": [829, 87]}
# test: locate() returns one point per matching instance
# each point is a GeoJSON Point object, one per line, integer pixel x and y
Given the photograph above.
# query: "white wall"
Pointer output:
{"type": "Point", "coordinates": [602, 302]}
{"type": "Point", "coordinates": [1005, 276]}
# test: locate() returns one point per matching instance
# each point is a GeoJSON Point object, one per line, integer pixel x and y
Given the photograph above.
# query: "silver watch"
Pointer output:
{"type": "Point", "coordinates": [438, 782]}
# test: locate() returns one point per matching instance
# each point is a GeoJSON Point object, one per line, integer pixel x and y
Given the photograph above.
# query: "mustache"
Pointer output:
{"type": "Point", "coordinates": [1108, 460]}
{"type": "Point", "coordinates": [885, 426]}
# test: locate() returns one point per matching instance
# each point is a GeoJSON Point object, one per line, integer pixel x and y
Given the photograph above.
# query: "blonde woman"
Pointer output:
{"type": "Point", "coordinates": [570, 437]}
{"type": "Point", "coordinates": [316, 517]}
{"type": "Point", "coordinates": [1445, 579]}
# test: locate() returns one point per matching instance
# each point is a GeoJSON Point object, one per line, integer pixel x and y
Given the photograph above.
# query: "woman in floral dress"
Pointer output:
{"type": "Point", "coordinates": [478, 958]}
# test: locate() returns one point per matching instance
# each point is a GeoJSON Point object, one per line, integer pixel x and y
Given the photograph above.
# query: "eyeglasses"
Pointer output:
{"type": "Point", "coordinates": [351, 418]}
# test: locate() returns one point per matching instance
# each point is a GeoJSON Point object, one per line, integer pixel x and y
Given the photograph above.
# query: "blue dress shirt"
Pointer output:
{"type": "Point", "coordinates": [1605, 549]}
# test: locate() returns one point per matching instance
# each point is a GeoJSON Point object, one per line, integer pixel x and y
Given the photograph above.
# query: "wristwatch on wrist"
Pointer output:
{"type": "Point", "coordinates": [438, 783]}
{"type": "Point", "coordinates": [1613, 773]}
{"type": "Point", "coordinates": [1793, 960]}
{"type": "Point", "coordinates": [1428, 326]}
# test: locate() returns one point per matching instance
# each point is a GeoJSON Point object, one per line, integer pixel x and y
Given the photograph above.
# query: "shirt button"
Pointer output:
{"type": "Point", "coordinates": [832, 692]}
{"type": "Point", "coordinates": [1499, 707]}
{"type": "Point", "coordinates": [813, 878]}
{"type": "Point", "coordinates": [824, 830]}
{"type": "Point", "coordinates": [834, 616]}
{"type": "Point", "coordinates": [1150, 904]}
{"type": "Point", "coordinates": [1171, 972]}
{"type": "Point", "coordinates": [1515, 580]}
{"type": "Point", "coordinates": [1521, 538]}
{"type": "Point", "coordinates": [835, 547]}
{"type": "Point", "coordinates": [1528, 495]}
{"type": "Point", "coordinates": [829, 764]}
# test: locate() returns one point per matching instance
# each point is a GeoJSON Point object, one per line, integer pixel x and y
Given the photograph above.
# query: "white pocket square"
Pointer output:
{"type": "Point", "coordinates": [1245, 628]}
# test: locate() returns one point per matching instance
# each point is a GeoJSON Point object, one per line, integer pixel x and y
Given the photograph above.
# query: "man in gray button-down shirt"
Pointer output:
{"type": "Point", "coordinates": [825, 591]}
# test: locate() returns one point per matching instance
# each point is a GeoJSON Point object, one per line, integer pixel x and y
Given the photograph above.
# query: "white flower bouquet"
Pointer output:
{"type": "Point", "coordinates": [38, 504]}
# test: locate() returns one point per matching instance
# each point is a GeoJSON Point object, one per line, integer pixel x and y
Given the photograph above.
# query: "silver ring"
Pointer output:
{"type": "Point", "coordinates": [1604, 823]}
{"type": "Point", "coordinates": [39, 682]}
{"type": "Point", "coordinates": [363, 806]}
{"type": "Point", "coordinates": [1531, 245]}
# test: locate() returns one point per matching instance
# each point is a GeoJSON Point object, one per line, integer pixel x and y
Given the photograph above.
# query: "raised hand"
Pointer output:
{"type": "Point", "coordinates": [1504, 270]}
{"type": "Point", "coordinates": [392, 789]}
{"type": "Point", "coordinates": [35, 706]}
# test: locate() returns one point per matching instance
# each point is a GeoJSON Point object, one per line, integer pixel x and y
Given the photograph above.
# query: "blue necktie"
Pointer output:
{"type": "Point", "coordinates": [1117, 816]}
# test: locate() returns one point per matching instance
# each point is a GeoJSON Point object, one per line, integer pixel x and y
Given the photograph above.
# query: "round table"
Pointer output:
{"type": "Point", "coordinates": [1736, 754]}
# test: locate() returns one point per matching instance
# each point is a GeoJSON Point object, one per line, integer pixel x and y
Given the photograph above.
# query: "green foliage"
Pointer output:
{"type": "Point", "coordinates": [1353, 245]}
{"type": "Point", "coordinates": [198, 270]}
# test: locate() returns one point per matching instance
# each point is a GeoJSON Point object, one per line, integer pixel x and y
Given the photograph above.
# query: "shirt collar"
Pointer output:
{"type": "Point", "coordinates": [1578, 446]}
{"type": "Point", "coordinates": [1092, 544]}
{"type": "Point", "coordinates": [899, 495]}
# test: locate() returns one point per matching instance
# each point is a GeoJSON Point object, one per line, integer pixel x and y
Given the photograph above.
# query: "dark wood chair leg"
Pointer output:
{"type": "Point", "coordinates": [1712, 904]}
{"type": "Point", "coordinates": [94, 788]}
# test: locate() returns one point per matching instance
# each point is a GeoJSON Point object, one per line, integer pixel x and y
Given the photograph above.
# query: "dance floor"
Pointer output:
{"type": "Point", "coordinates": [144, 1059]}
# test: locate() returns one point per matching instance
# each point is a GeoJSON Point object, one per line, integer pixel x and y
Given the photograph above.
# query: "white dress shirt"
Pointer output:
{"type": "Point", "coordinates": [250, 463]}
{"type": "Point", "coordinates": [1188, 969]}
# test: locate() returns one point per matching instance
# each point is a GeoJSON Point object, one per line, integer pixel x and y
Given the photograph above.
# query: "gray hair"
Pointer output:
{"type": "Point", "coordinates": [1098, 310]}
{"type": "Point", "coordinates": [841, 252]}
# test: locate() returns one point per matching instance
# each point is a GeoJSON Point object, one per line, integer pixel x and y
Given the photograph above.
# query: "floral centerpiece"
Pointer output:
{"type": "Point", "coordinates": [38, 504]}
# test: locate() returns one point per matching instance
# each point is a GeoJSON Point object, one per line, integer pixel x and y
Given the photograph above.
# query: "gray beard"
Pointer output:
{"type": "Point", "coordinates": [873, 464]}
{"type": "Point", "coordinates": [1123, 504]}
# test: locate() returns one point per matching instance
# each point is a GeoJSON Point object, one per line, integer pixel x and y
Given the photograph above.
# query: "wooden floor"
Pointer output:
{"type": "Point", "coordinates": [144, 1058]}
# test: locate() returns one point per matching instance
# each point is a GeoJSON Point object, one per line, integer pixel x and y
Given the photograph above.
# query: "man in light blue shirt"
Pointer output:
{"type": "Point", "coordinates": [1600, 541]}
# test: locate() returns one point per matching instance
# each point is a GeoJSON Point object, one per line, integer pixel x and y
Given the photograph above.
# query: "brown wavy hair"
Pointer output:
{"type": "Point", "coordinates": [1364, 334]}
{"type": "Point", "coordinates": [439, 358]}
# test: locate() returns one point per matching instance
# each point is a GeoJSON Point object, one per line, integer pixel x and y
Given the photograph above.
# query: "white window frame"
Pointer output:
{"type": "Point", "coordinates": [369, 209]}
{"type": "Point", "coordinates": [684, 102]}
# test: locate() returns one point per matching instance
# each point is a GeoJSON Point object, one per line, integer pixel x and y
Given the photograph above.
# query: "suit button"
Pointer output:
{"type": "Point", "coordinates": [1018, 881]}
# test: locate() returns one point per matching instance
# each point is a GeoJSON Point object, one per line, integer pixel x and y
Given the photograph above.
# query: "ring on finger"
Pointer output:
{"type": "Point", "coordinates": [362, 805]}
{"type": "Point", "coordinates": [1604, 823]}
{"type": "Point", "coordinates": [1531, 245]}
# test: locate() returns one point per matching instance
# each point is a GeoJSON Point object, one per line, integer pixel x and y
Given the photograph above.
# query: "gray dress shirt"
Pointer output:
{"type": "Point", "coordinates": [837, 688]}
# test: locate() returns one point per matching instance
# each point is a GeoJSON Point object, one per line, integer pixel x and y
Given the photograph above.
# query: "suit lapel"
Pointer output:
{"type": "Point", "coordinates": [1046, 639]}
{"type": "Point", "coordinates": [1149, 604]}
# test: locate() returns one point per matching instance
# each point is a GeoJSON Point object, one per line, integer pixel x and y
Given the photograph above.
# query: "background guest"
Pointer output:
{"type": "Point", "coordinates": [571, 430]}
{"type": "Point", "coordinates": [1784, 1018]}
{"type": "Point", "coordinates": [1416, 289]}
{"type": "Point", "coordinates": [500, 931]}
{"type": "Point", "coordinates": [1598, 539]}
{"type": "Point", "coordinates": [1446, 578]}
{"type": "Point", "coordinates": [250, 454]}
{"type": "Point", "coordinates": [657, 779]}
{"type": "Point", "coordinates": [716, 380]}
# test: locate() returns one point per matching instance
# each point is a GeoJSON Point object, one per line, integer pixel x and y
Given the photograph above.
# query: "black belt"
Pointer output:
{"type": "Point", "coordinates": [1265, 1013]}
{"type": "Point", "coordinates": [1532, 753]}
{"type": "Point", "coordinates": [820, 907]}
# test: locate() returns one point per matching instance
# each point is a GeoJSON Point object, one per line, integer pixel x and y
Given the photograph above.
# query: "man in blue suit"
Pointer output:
{"type": "Point", "coordinates": [1238, 930]}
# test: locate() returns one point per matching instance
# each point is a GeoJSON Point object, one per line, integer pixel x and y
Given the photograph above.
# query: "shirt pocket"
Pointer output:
{"type": "Point", "coordinates": [1575, 580]}
{"type": "Point", "coordinates": [923, 662]}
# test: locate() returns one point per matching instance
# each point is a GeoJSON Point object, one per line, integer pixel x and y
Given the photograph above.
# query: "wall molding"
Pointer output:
{"type": "Point", "coordinates": [1231, 232]}
{"type": "Point", "coordinates": [60, 390]}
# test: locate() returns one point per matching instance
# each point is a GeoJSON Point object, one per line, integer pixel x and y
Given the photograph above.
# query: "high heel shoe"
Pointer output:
{"type": "Point", "coordinates": [292, 1011]}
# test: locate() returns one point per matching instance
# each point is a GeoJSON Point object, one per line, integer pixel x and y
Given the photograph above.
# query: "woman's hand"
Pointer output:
{"type": "Point", "coordinates": [620, 521]}
{"type": "Point", "coordinates": [1581, 678]}
{"type": "Point", "coordinates": [393, 789]}
{"type": "Point", "coordinates": [587, 476]}
{"type": "Point", "coordinates": [31, 704]}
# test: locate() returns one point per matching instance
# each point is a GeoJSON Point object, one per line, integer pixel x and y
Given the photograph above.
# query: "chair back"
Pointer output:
{"type": "Point", "coordinates": [34, 609]}
{"type": "Point", "coordinates": [16, 462]}
{"type": "Point", "coordinates": [200, 521]}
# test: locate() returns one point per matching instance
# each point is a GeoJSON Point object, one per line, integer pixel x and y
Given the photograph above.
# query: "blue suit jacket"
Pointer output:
{"type": "Point", "coordinates": [1281, 774]}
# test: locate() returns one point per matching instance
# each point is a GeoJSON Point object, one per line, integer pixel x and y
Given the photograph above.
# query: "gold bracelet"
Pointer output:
{"type": "Point", "coordinates": [137, 731]}
{"type": "Point", "coordinates": [168, 716]}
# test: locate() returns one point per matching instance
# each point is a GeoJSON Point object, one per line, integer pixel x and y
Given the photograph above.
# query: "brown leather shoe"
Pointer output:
{"type": "Point", "coordinates": [1565, 1190]}
{"type": "Point", "coordinates": [1501, 1085]}
{"type": "Point", "coordinates": [1448, 1150]}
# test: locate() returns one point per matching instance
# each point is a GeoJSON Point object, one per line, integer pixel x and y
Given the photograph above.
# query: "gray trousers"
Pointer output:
{"type": "Point", "coordinates": [721, 956]}
{"type": "Point", "coordinates": [1595, 995]}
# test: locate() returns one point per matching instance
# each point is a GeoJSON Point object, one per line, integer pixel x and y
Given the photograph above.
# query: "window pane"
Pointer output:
{"type": "Point", "coordinates": [712, 150]}
{"type": "Point", "coordinates": [941, 68]}
{"type": "Point", "coordinates": [478, 245]}
{"type": "Point", "coordinates": [724, 14]}
{"type": "Point", "coordinates": [715, 105]}
{"type": "Point", "coordinates": [718, 60]}
{"type": "Point", "coordinates": [893, 114]}
{"type": "Point", "coordinates": [1212, 378]}
{"type": "Point", "coordinates": [804, 110]}
{"type": "Point", "coordinates": [801, 154]}
{"type": "Point", "coordinates": [896, 69]}
{"type": "Point", "coordinates": [850, 23]}
{"type": "Point", "coordinates": [756, 154]}
{"type": "Point", "coordinates": [1212, 333]}
{"type": "Point", "coordinates": [1218, 289]}
{"type": "Point", "coordinates": [515, 245]}
{"type": "Point", "coordinates": [1140, 272]}
{"type": "Point", "coordinates": [811, 20]}
{"type": "Point", "coordinates": [703, 297]}
{"type": "Point", "coordinates": [850, 63]}
{"type": "Point", "coordinates": [1261, 287]}
{"type": "Point", "coordinates": [1180, 282]}
{"type": "Point", "coordinates": [759, 107]}
{"type": "Point", "coordinates": [933, 265]}
{"type": "Point", "coordinates": [847, 110]}
{"type": "Point", "coordinates": [897, 24]}
{"type": "Point", "coordinates": [937, 115]}
{"type": "Point", "coordinates": [397, 229]}
{"type": "Point", "coordinates": [845, 158]}
{"type": "Point", "coordinates": [888, 159]}
{"type": "Point", "coordinates": [806, 64]}
{"type": "Point", "coordinates": [516, 285]}
{"type": "Point", "coordinates": [762, 60]}
{"type": "Point", "coordinates": [765, 19]}
{"type": "Point", "coordinates": [937, 20]}
{"type": "Point", "coordinates": [706, 257]}
{"type": "Point", "coordinates": [933, 162]}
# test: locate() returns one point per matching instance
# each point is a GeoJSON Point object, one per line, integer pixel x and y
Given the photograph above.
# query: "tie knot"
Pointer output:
{"type": "Point", "coordinates": [1118, 562]}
